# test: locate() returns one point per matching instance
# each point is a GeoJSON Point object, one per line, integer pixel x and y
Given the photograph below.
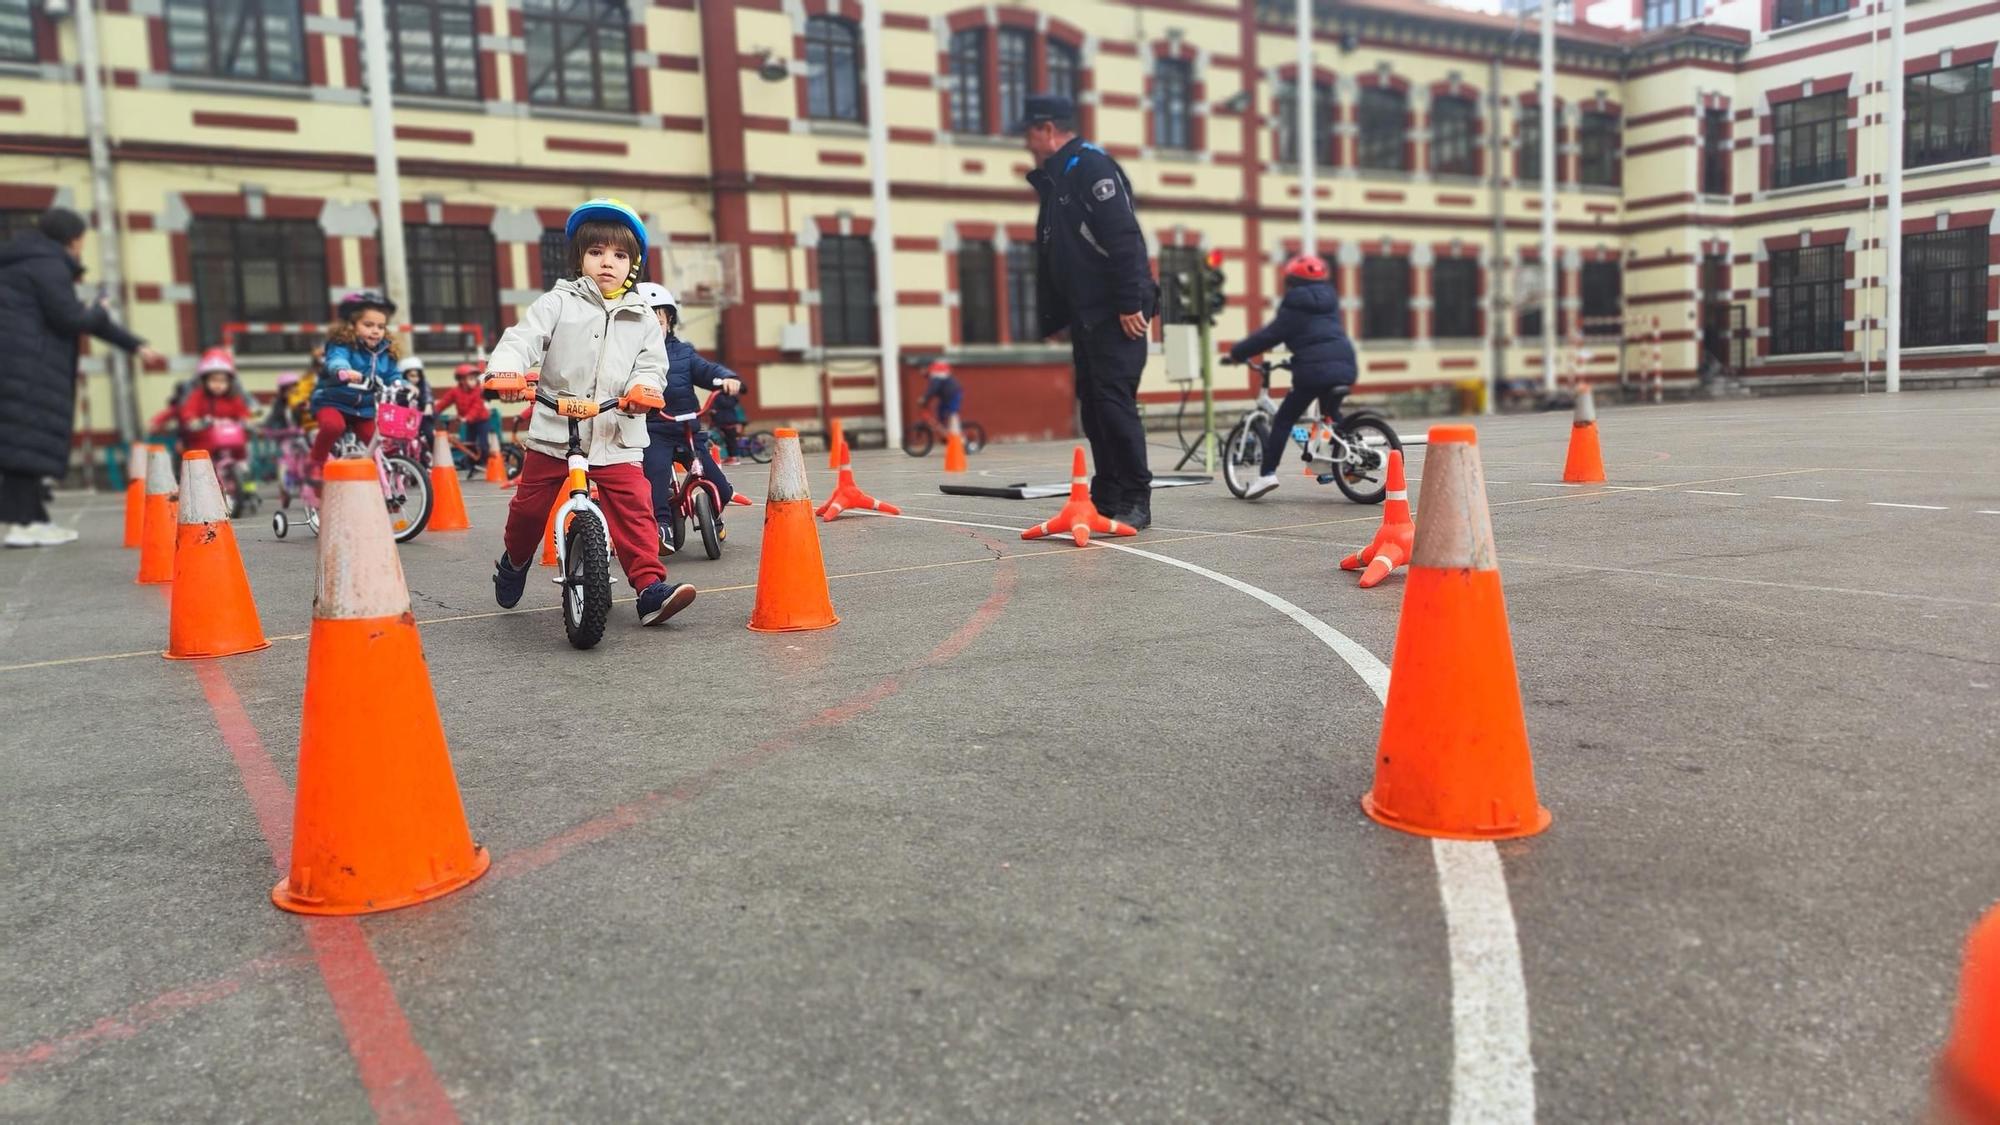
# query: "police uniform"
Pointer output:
{"type": "Point", "coordinates": [1091, 269]}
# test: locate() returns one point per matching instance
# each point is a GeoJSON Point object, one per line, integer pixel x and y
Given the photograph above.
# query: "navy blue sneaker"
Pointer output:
{"type": "Point", "coordinates": [662, 600]}
{"type": "Point", "coordinates": [508, 582]}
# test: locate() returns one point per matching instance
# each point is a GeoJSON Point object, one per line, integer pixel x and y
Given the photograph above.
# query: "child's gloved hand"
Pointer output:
{"type": "Point", "coordinates": [510, 386]}
{"type": "Point", "coordinates": [350, 375]}
{"type": "Point", "coordinates": [640, 398]}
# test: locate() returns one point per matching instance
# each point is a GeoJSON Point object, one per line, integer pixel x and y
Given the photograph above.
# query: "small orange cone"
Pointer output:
{"type": "Point", "coordinates": [156, 537]}
{"type": "Point", "coordinates": [1079, 517]}
{"type": "Point", "coordinates": [1969, 1074]}
{"type": "Point", "coordinates": [496, 465]}
{"type": "Point", "coordinates": [791, 573]}
{"type": "Point", "coordinates": [447, 499]}
{"type": "Point", "coordinates": [1585, 463]}
{"type": "Point", "coordinates": [212, 612]}
{"type": "Point", "coordinates": [1453, 758]}
{"type": "Point", "coordinates": [1391, 546]}
{"type": "Point", "coordinates": [954, 452]}
{"type": "Point", "coordinates": [847, 494]}
{"type": "Point", "coordinates": [135, 492]}
{"type": "Point", "coordinates": [835, 438]}
{"type": "Point", "coordinates": [377, 822]}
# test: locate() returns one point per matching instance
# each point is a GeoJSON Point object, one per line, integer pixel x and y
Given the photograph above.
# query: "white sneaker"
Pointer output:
{"type": "Point", "coordinates": [1262, 486]}
{"type": "Point", "coordinates": [38, 535]}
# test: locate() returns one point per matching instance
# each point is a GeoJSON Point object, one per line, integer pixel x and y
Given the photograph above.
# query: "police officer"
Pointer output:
{"type": "Point", "coordinates": [1094, 280]}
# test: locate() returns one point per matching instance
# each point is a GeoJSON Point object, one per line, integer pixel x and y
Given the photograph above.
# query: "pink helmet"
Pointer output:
{"type": "Point", "coordinates": [216, 359]}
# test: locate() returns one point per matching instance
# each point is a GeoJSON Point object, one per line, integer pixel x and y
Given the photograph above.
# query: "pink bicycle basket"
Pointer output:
{"type": "Point", "coordinates": [398, 423]}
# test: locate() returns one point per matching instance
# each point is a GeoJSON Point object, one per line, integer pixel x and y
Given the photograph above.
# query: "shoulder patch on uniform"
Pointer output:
{"type": "Point", "coordinates": [1104, 189]}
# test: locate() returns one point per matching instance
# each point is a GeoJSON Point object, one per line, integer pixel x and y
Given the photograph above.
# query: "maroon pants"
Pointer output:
{"type": "Point", "coordinates": [622, 492]}
{"type": "Point", "coordinates": [332, 424]}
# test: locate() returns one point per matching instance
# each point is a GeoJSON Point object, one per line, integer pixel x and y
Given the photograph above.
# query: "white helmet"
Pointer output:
{"type": "Point", "coordinates": [656, 295]}
{"type": "Point", "coordinates": [410, 363]}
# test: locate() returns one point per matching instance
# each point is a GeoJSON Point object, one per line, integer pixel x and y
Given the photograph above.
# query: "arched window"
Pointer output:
{"type": "Point", "coordinates": [833, 69]}
{"type": "Point", "coordinates": [991, 69]}
{"type": "Point", "coordinates": [1454, 136]}
{"type": "Point", "coordinates": [1064, 63]}
{"type": "Point", "coordinates": [1322, 123]}
{"type": "Point", "coordinates": [1384, 129]}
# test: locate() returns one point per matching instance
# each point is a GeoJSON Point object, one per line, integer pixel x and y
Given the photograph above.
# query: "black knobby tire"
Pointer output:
{"type": "Point", "coordinates": [1243, 454]}
{"type": "Point", "coordinates": [704, 518]}
{"type": "Point", "coordinates": [760, 445]}
{"type": "Point", "coordinates": [677, 530]}
{"type": "Point", "coordinates": [1369, 483]}
{"type": "Point", "coordinates": [514, 457]}
{"type": "Point", "coordinates": [409, 515]}
{"type": "Point", "coordinates": [975, 436]}
{"type": "Point", "coordinates": [586, 580]}
{"type": "Point", "coordinates": [918, 439]}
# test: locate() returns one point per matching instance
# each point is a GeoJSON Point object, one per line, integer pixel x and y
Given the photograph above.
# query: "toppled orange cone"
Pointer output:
{"type": "Point", "coordinates": [1079, 517]}
{"type": "Point", "coordinates": [742, 500]}
{"type": "Point", "coordinates": [1391, 546]}
{"type": "Point", "coordinates": [212, 612]}
{"type": "Point", "coordinates": [954, 452]}
{"type": "Point", "coordinates": [135, 493]}
{"type": "Point", "coordinates": [847, 495]}
{"type": "Point", "coordinates": [160, 524]}
{"type": "Point", "coordinates": [791, 573]}
{"type": "Point", "coordinates": [1585, 463]}
{"type": "Point", "coordinates": [1453, 757]}
{"type": "Point", "coordinates": [496, 464]}
{"type": "Point", "coordinates": [836, 439]}
{"type": "Point", "coordinates": [377, 822]}
{"type": "Point", "coordinates": [1969, 1074]}
{"type": "Point", "coordinates": [447, 499]}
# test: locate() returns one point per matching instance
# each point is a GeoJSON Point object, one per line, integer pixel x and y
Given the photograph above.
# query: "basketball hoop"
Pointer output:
{"type": "Point", "coordinates": [703, 273]}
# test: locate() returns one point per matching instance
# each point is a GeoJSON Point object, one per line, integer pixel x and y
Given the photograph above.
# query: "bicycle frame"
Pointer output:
{"type": "Point", "coordinates": [1316, 425]}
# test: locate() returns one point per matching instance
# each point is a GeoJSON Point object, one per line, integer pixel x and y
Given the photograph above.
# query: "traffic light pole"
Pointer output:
{"type": "Point", "coordinates": [1205, 336]}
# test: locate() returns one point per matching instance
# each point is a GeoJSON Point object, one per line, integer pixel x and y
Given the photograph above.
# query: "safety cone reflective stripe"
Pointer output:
{"type": "Point", "coordinates": [954, 452]}
{"type": "Point", "coordinates": [496, 464]}
{"type": "Point", "coordinates": [848, 495]}
{"type": "Point", "coordinates": [1079, 517]}
{"type": "Point", "coordinates": [447, 499]}
{"type": "Point", "coordinates": [377, 821]}
{"type": "Point", "coordinates": [1453, 758]}
{"type": "Point", "coordinates": [1585, 463]}
{"type": "Point", "coordinates": [791, 573]}
{"type": "Point", "coordinates": [1391, 546]}
{"type": "Point", "coordinates": [135, 493]}
{"type": "Point", "coordinates": [212, 612]}
{"type": "Point", "coordinates": [1969, 1073]}
{"type": "Point", "coordinates": [161, 524]}
{"type": "Point", "coordinates": [836, 438]}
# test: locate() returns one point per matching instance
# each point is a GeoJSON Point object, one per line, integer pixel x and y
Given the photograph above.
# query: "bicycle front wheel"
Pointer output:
{"type": "Point", "coordinates": [406, 488]}
{"type": "Point", "coordinates": [586, 580]}
{"type": "Point", "coordinates": [917, 440]}
{"type": "Point", "coordinates": [759, 446]}
{"type": "Point", "coordinates": [704, 518]}
{"type": "Point", "coordinates": [1243, 454]}
{"type": "Point", "coordinates": [1364, 474]}
{"type": "Point", "coordinates": [975, 437]}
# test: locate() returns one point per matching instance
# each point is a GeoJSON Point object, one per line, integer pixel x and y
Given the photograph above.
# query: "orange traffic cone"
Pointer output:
{"type": "Point", "coordinates": [1079, 517]}
{"type": "Point", "coordinates": [377, 822]}
{"type": "Point", "coordinates": [1453, 758]}
{"type": "Point", "coordinates": [954, 452]}
{"type": "Point", "coordinates": [1969, 1075]}
{"type": "Point", "coordinates": [791, 573]}
{"type": "Point", "coordinates": [1585, 463]}
{"type": "Point", "coordinates": [135, 492]}
{"type": "Point", "coordinates": [1391, 546]}
{"type": "Point", "coordinates": [156, 537]}
{"type": "Point", "coordinates": [847, 494]}
{"type": "Point", "coordinates": [447, 499]}
{"type": "Point", "coordinates": [496, 465]}
{"type": "Point", "coordinates": [835, 438]}
{"type": "Point", "coordinates": [212, 612]}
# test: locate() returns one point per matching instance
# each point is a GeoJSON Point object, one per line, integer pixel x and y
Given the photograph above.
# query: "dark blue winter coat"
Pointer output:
{"type": "Point", "coordinates": [686, 370]}
{"type": "Point", "coordinates": [1092, 265]}
{"type": "Point", "coordinates": [40, 320]}
{"type": "Point", "coordinates": [1308, 325]}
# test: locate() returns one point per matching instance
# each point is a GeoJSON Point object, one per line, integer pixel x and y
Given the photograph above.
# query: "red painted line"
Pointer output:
{"type": "Point", "coordinates": [393, 1068]}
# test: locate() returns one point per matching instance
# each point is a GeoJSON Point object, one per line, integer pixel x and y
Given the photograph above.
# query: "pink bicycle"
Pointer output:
{"type": "Point", "coordinates": [406, 487]}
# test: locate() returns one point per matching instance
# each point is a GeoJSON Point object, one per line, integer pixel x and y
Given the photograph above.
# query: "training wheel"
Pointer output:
{"type": "Point", "coordinates": [279, 524]}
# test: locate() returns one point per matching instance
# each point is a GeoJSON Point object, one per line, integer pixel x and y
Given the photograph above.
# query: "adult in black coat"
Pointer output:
{"type": "Point", "coordinates": [41, 320]}
{"type": "Point", "coordinates": [1323, 368]}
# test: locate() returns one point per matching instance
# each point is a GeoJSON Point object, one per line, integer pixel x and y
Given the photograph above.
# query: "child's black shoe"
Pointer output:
{"type": "Point", "coordinates": [508, 583]}
{"type": "Point", "coordinates": [662, 600]}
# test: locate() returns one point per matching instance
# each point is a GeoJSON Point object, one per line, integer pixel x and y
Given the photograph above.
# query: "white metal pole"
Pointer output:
{"type": "Point", "coordinates": [1549, 262]}
{"type": "Point", "coordinates": [388, 182]}
{"type": "Point", "coordinates": [885, 235]}
{"type": "Point", "coordinates": [104, 208]}
{"type": "Point", "coordinates": [1892, 245]}
{"type": "Point", "coordinates": [1305, 138]}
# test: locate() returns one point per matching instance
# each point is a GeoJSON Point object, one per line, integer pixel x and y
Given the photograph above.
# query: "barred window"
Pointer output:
{"type": "Point", "coordinates": [833, 71]}
{"type": "Point", "coordinates": [1454, 136]}
{"type": "Point", "coordinates": [255, 39]}
{"type": "Point", "coordinates": [555, 258]}
{"type": "Point", "coordinates": [847, 291]}
{"type": "Point", "coordinates": [579, 53]}
{"type": "Point", "coordinates": [1178, 267]}
{"type": "Point", "coordinates": [17, 31]}
{"type": "Point", "coordinates": [1806, 306]}
{"type": "Point", "coordinates": [1789, 12]}
{"type": "Point", "coordinates": [1384, 129]}
{"type": "Point", "coordinates": [1811, 139]}
{"type": "Point", "coordinates": [258, 270]}
{"type": "Point", "coordinates": [978, 311]}
{"type": "Point", "coordinates": [1944, 287]}
{"type": "Point", "coordinates": [1603, 285]}
{"type": "Point", "coordinates": [1064, 64]}
{"type": "Point", "coordinates": [968, 80]}
{"type": "Point", "coordinates": [434, 48]}
{"type": "Point", "coordinates": [1288, 123]}
{"type": "Point", "coordinates": [1024, 318]}
{"type": "Point", "coordinates": [1947, 115]}
{"type": "Point", "coordinates": [452, 281]}
{"type": "Point", "coordinates": [1597, 145]}
{"type": "Point", "coordinates": [1455, 299]}
{"type": "Point", "coordinates": [1385, 298]}
{"type": "Point", "coordinates": [1716, 149]}
{"type": "Point", "coordinates": [1173, 94]}
{"type": "Point", "coordinates": [1016, 69]}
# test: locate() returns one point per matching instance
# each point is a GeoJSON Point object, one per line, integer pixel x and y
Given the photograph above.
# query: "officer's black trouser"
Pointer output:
{"type": "Point", "coordinates": [1108, 366]}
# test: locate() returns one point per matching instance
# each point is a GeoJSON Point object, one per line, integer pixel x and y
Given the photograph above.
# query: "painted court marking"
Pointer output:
{"type": "Point", "coordinates": [1809, 499]}
{"type": "Point", "coordinates": [1919, 507]}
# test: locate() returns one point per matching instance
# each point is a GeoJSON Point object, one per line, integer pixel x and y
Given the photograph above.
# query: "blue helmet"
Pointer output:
{"type": "Point", "coordinates": [611, 211]}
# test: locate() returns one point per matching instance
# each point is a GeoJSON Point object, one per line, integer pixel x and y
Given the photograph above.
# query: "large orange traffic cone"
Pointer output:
{"type": "Point", "coordinates": [135, 492]}
{"type": "Point", "coordinates": [954, 452]}
{"type": "Point", "coordinates": [847, 494]}
{"type": "Point", "coordinates": [1079, 517]}
{"type": "Point", "coordinates": [156, 536]}
{"type": "Point", "coordinates": [835, 438]}
{"type": "Point", "coordinates": [496, 464]}
{"type": "Point", "coordinates": [1585, 463]}
{"type": "Point", "coordinates": [377, 822]}
{"type": "Point", "coordinates": [1969, 1074]}
{"type": "Point", "coordinates": [447, 499]}
{"type": "Point", "coordinates": [1453, 758]}
{"type": "Point", "coordinates": [1391, 546]}
{"type": "Point", "coordinates": [791, 573]}
{"type": "Point", "coordinates": [212, 612]}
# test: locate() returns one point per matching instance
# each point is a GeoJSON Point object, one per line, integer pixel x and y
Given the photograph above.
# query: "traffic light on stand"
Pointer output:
{"type": "Point", "coordinates": [1212, 287]}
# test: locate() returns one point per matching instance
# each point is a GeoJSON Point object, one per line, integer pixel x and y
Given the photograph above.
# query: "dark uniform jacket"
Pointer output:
{"type": "Point", "coordinates": [1092, 265]}
{"type": "Point", "coordinates": [686, 370]}
{"type": "Point", "coordinates": [1308, 324]}
{"type": "Point", "coordinates": [40, 320]}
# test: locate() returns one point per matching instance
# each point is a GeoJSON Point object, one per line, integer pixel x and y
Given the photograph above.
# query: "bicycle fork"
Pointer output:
{"type": "Point", "coordinates": [579, 501]}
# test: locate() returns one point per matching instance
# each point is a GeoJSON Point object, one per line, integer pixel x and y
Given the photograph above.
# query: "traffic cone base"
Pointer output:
{"type": "Point", "coordinates": [792, 593]}
{"type": "Point", "coordinates": [1392, 543]}
{"type": "Point", "coordinates": [954, 452]}
{"type": "Point", "coordinates": [212, 612]}
{"type": "Point", "coordinates": [1585, 462]}
{"type": "Point", "coordinates": [135, 493]}
{"type": "Point", "coordinates": [447, 498]}
{"type": "Point", "coordinates": [847, 495]}
{"type": "Point", "coordinates": [1079, 517]}
{"type": "Point", "coordinates": [162, 522]}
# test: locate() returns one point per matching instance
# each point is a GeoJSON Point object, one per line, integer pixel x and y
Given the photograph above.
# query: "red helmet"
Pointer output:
{"type": "Point", "coordinates": [464, 369]}
{"type": "Point", "coordinates": [1306, 267]}
{"type": "Point", "coordinates": [216, 359]}
{"type": "Point", "coordinates": [939, 369]}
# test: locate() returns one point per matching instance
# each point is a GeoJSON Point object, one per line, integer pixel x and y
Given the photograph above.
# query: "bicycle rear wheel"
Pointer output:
{"type": "Point", "coordinates": [759, 446]}
{"type": "Point", "coordinates": [1364, 474]}
{"type": "Point", "coordinates": [586, 580]}
{"type": "Point", "coordinates": [408, 494]}
{"type": "Point", "coordinates": [1243, 454]}
{"type": "Point", "coordinates": [918, 439]}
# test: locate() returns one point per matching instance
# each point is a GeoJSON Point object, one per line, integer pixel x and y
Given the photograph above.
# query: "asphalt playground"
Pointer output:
{"type": "Point", "coordinates": [1042, 833]}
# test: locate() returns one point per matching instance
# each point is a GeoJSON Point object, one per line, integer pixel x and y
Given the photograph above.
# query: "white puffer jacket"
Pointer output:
{"type": "Point", "coordinates": [586, 347]}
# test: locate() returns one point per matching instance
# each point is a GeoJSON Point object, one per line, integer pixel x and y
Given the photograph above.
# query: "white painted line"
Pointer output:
{"type": "Point", "coordinates": [1707, 492]}
{"type": "Point", "coordinates": [1489, 480]}
{"type": "Point", "coordinates": [1918, 507]}
{"type": "Point", "coordinates": [1809, 499]}
{"type": "Point", "coordinates": [1552, 484]}
{"type": "Point", "coordinates": [1987, 512]}
{"type": "Point", "coordinates": [1628, 488]}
